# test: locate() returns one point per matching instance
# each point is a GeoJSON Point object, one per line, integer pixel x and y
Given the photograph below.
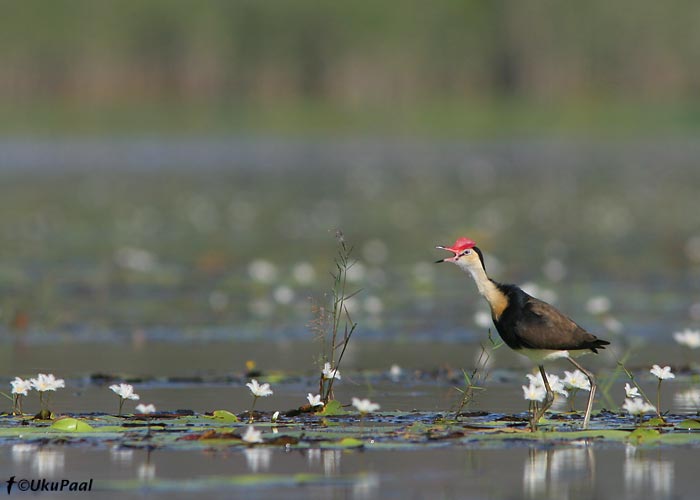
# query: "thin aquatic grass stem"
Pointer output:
{"type": "Point", "coordinates": [340, 280]}
{"type": "Point", "coordinates": [630, 375]}
{"type": "Point", "coordinates": [572, 399]}
{"type": "Point", "coordinates": [342, 353]}
{"type": "Point", "coordinates": [250, 413]}
{"type": "Point", "coordinates": [479, 374]}
{"type": "Point", "coordinates": [17, 404]}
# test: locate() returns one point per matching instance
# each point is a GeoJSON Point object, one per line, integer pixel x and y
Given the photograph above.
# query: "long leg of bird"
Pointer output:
{"type": "Point", "coordinates": [549, 399]}
{"type": "Point", "coordinates": [591, 395]}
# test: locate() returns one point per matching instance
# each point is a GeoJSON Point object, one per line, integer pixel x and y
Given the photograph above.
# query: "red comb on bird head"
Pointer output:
{"type": "Point", "coordinates": [461, 244]}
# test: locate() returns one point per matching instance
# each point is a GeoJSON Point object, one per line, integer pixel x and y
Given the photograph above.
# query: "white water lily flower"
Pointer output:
{"type": "Point", "coordinates": [662, 373]}
{"type": "Point", "coordinates": [364, 405]}
{"type": "Point", "coordinates": [534, 392]}
{"type": "Point", "coordinates": [690, 338]}
{"type": "Point", "coordinates": [576, 380]}
{"type": "Point", "coordinates": [555, 383]}
{"type": "Point", "coordinates": [314, 400]}
{"type": "Point", "coordinates": [631, 392]}
{"type": "Point", "coordinates": [395, 372]}
{"type": "Point", "coordinates": [637, 406]}
{"type": "Point", "coordinates": [482, 319]}
{"type": "Point", "coordinates": [48, 382]}
{"type": "Point", "coordinates": [262, 271]}
{"type": "Point", "coordinates": [330, 374]}
{"type": "Point", "coordinates": [283, 295]}
{"type": "Point", "coordinates": [598, 305]}
{"type": "Point", "coordinates": [125, 391]}
{"type": "Point", "coordinates": [275, 416]}
{"type": "Point", "coordinates": [145, 409]}
{"type": "Point", "coordinates": [304, 273]}
{"type": "Point", "coordinates": [252, 436]}
{"type": "Point", "coordinates": [20, 386]}
{"type": "Point", "coordinates": [259, 390]}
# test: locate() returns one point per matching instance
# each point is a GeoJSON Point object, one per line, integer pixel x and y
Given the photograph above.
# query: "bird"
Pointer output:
{"type": "Point", "coordinates": [526, 324]}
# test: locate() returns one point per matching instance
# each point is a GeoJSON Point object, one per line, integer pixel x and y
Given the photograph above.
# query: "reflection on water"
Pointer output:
{"type": "Point", "coordinates": [22, 453]}
{"type": "Point", "coordinates": [146, 471]}
{"type": "Point", "coordinates": [559, 473]}
{"type": "Point", "coordinates": [543, 470]}
{"type": "Point", "coordinates": [45, 462]}
{"type": "Point", "coordinates": [688, 400]}
{"type": "Point", "coordinates": [258, 459]}
{"type": "Point", "coordinates": [366, 486]}
{"type": "Point", "coordinates": [330, 459]}
{"type": "Point", "coordinates": [123, 456]}
{"type": "Point", "coordinates": [644, 474]}
{"type": "Point", "coordinates": [570, 472]}
{"type": "Point", "coordinates": [313, 456]}
{"type": "Point", "coordinates": [331, 462]}
{"type": "Point", "coordinates": [48, 462]}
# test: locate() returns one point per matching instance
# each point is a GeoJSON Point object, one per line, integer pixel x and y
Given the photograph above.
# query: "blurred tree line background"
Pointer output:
{"type": "Point", "coordinates": [445, 67]}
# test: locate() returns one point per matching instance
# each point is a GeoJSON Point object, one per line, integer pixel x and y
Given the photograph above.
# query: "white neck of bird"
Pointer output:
{"type": "Point", "coordinates": [493, 295]}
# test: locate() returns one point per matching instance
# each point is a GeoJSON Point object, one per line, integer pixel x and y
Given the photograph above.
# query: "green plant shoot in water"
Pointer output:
{"type": "Point", "coordinates": [335, 329]}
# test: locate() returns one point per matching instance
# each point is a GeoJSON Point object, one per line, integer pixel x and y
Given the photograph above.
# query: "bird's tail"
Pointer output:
{"type": "Point", "coordinates": [597, 344]}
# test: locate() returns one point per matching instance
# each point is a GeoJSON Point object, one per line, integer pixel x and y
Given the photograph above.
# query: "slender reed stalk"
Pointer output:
{"type": "Point", "coordinates": [478, 376]}
{"type": "Point", "coordinates": [250, 412]}
{"type": "Point", "coordinates": [630, 375]}
{"type": "Point", "coordinates": [336, 330]}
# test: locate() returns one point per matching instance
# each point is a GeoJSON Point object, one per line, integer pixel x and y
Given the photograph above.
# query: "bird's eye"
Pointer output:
{"type": "Point", "coordinates": [466, 252]}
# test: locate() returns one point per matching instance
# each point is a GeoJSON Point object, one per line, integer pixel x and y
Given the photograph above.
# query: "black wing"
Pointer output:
{"type": "Point", "coordinates": [541, 326]}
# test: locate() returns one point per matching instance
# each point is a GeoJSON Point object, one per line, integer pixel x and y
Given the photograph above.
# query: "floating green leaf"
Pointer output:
{"type": "Point", "coordinates": [390, 430]}
{"type": "Point", "coordinates": [348, 442]}
{"type": "Point", "coordinates": [224, 416]}
{"type": "Point", "coordinates": [688, 424]}
{"type": "Point", "coordinates": [655, 422]}
{"type": "Point", "coordinates": [44, 414]}
{"type": "Point", "coordinates": [333, 407]}
{"type": "Point", "coordinates": [642, 435]}
{"type": "Point", "coordinates": [70, 424]}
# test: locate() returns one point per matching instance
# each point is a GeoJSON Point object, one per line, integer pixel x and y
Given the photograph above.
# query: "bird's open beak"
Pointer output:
{"type": "Point", "coordinates": [447, 259]}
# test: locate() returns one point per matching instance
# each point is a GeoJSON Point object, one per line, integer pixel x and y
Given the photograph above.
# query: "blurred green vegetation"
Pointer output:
{"type": "Point", "coordinates": [172, 247]}
{"type": "Point", "coordinates": [458, 68]}
{"type": "Point", "coordinates": [107, 250]}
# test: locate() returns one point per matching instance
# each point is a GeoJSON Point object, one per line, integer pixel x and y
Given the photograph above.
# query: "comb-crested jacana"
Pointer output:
{"type": "Point", "coordinates": [526, 324]}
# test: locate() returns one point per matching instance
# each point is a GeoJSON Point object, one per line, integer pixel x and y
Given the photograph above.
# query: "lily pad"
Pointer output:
{"type": "Point", "coordinates": [348, 442]}
{"type": "Point", "coordinates": [44, 415]}
{"type": "Point", "coordinates": [224, 416]}
{"type": "Point", "coordinates": [642, 435]}
{"type": "Point", "coordinates": [70, 424]}
{"type": "Point", "coordinates": [333, 407]}
{"type": "Point", "coordinates": [688, 424]}
{"type": "Point", "coordinates": [655, 422]}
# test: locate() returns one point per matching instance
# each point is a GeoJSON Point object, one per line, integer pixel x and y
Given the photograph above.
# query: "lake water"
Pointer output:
{"type": "Point", "coordinates": [172, 263]}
